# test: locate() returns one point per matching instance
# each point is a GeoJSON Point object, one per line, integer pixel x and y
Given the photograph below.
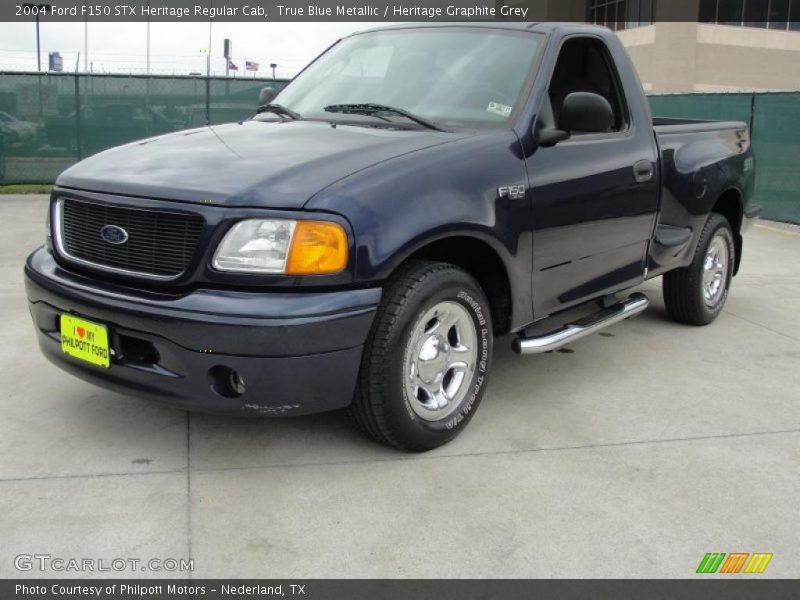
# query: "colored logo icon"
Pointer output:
{"type": "Point", "coordinates": [734, 562]}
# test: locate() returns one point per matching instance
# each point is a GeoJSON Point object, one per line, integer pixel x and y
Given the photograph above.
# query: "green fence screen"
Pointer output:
{"type": "Point", "coordinates": [774, 120]}
{"type": "Point", "coordinates": [50, 121]}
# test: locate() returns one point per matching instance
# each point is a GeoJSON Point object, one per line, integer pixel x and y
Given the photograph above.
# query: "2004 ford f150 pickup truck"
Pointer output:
{"type": "Point", "coordinates": [416, 192]}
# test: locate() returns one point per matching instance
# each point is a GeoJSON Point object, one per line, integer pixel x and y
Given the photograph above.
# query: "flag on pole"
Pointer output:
{"type": "Point", "coordinates": [232, 66]}
{"type": "Point", "coordinates": [251, 66]}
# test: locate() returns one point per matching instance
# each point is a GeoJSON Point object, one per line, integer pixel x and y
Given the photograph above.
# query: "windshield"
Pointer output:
{"type": "Point", "coordinates": [448, 76]}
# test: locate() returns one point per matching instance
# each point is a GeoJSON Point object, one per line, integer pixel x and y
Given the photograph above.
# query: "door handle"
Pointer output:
{"type": "Point", "coordinates": [643, 171]}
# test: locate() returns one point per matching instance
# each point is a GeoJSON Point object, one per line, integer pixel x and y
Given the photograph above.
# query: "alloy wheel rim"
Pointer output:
{"type": "Point", "coordinates": [715, 271]}
{"type": "Point", "coordinates": [439, 360]}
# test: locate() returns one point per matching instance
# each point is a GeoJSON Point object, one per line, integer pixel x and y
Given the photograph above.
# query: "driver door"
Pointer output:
{"type": "Point", "coordinates": [592, 216]}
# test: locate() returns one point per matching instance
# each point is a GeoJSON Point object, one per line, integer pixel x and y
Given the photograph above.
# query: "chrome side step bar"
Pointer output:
{"type": "Point", "coordinates": [635, 304]}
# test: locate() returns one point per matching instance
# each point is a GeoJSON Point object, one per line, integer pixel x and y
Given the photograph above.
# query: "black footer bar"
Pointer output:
{"type": "Point", "coordinates": [395, 589]}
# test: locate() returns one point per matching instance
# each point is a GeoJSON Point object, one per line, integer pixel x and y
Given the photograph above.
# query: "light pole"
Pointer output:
{"type": "Point", "coordinates": [273, 66]}
{"type": "Point", "coordinates": [38, 46]}
{"type": "Point", "coordinates": [208, 58]}
{"type": "Point", "coordinates": [147, 69]}
{"type": "Point", "coordinates": [85, 39]}
{"type": "Point", "coordinates": [148, 37]}
{"type": "Point", "coordinates": [36, 9]}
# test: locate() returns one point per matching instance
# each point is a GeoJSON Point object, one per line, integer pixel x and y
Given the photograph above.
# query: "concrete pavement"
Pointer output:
{"type": "Point", "coordinates": [630, 456]}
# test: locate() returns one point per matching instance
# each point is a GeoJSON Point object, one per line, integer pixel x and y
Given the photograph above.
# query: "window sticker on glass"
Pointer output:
{"type": "Point", "coordinates": [498, 109]}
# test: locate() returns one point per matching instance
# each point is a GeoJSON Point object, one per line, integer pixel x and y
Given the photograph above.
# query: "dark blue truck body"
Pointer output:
{"type": "Point", "coordinates": [588, 225]}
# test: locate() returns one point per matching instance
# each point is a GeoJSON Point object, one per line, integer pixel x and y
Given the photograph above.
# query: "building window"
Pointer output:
{"type": "Point", "coordinates": [622, 14]}
{"type": "Point", "coordinates": [765, 14]}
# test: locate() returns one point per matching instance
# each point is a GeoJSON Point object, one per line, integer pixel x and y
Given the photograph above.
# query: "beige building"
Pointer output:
{"type": "Point", "coordinates": [732, 45]}
{"type": "Point", "coordinates": [702, 57]}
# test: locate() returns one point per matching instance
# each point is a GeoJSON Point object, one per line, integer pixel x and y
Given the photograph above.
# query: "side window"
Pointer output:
{"type": "Point", "coordinates": [584, 65]}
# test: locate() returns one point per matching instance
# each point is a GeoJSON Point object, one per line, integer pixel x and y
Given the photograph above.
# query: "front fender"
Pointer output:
{"type": "Point", "coordinates": [398, 207]}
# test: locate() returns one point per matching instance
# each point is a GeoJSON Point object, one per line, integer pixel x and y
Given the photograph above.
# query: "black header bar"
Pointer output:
{"type": "Point", "coordinates": [325, 10]}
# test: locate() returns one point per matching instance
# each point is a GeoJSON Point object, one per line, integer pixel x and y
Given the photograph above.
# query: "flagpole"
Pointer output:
{"type": "Point", "coordinates": [208, 58]}
{"type": "Point", "coordinates": [85, 41]}
{"type": "Point", "coordinates": [148, 38]}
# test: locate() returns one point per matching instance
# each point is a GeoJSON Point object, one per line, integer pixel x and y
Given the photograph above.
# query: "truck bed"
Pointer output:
{"type": "Point", "coordinates": [700, 161]}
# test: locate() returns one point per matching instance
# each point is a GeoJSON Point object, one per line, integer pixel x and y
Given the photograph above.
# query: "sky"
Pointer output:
{"type": "Point", "coordinates": [178, 48]}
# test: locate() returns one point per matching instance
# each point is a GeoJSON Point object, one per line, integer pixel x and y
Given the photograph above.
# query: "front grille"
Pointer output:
{"type": "Point", "coordinates": [159, 244]}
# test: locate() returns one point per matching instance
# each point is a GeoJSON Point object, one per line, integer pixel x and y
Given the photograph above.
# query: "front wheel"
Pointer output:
{"type": "Point", "coordinates": [426, 361]}
{"type": "Point", "coordinates": [696, 294]}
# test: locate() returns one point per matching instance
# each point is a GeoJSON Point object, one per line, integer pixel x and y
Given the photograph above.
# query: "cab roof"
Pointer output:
{"type": "Point", "coordinates": [536, 27]}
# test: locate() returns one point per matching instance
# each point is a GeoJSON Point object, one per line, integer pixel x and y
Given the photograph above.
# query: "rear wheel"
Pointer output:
{"type": "Point", "coordinates": [426, 360]}
{"type": "Point", "coordinates": [697, 293]}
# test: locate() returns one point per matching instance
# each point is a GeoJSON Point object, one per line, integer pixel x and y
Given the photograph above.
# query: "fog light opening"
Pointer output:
{"type": "Point", "coordinates": [226, 381]}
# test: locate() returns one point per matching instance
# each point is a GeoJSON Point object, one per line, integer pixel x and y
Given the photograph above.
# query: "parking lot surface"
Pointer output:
{"type": "Point", "coordinates": [629, 454]}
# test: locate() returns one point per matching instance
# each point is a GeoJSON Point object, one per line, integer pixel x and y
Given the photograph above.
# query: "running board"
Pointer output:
{"type": "Point", "coordinates": [574, 331]}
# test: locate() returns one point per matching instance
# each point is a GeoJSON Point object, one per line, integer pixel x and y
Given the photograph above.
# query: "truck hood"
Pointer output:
{"type": "Point", "coordinates": [255, 163]}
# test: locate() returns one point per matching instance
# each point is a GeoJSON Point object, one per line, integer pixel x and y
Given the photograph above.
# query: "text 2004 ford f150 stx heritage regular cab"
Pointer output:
{"type": "Point", "coordinates": [414, 193]}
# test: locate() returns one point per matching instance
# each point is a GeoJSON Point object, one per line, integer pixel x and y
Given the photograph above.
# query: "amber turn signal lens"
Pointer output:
{"type": "Point", "coordinates": [318, 247]}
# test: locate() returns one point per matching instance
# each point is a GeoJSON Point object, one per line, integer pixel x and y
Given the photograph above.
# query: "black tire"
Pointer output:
{"type": "Point", "coordinates": [684, 289]}
{"type": "Point", "coordinates": [382, 408]}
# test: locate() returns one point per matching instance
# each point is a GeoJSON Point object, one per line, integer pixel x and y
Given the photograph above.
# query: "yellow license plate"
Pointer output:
{"type": "Point", "coordinates": [85, 340]}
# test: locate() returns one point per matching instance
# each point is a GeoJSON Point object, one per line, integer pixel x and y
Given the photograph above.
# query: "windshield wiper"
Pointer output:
{"type": "Point", "coordinates": [280, 110]}
{"type": "Point", "coordinates": [374, 109]}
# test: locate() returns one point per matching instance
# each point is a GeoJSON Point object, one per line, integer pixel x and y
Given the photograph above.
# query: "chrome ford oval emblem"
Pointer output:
{"type": "Point", "coordinates": [113, 234]}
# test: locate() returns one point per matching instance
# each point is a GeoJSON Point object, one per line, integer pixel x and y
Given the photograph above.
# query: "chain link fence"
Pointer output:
{"type": "Point", "coordinates": [50, 121]}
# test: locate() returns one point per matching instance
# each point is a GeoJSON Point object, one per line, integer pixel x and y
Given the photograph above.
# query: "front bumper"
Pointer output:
{"type": "Point", "coordinates": [297, 353]}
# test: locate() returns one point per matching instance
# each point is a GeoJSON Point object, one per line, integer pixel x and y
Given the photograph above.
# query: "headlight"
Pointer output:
{"type": "Point", "coordinates": [256, 245]}
{"type": "Point", "coordinates": [283, 246]}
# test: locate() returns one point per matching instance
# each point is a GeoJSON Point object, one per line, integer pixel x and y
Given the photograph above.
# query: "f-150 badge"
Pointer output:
{"type": "Point", "coordinates": [512, 192]}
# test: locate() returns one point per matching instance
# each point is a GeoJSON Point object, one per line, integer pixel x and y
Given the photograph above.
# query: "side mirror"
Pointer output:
{"type": "Point", "coordinates": [265, 96]}
{"type": "Point", "coordinates": [586, 112]}
{"type": "Point", "coordinates": [550, 136]}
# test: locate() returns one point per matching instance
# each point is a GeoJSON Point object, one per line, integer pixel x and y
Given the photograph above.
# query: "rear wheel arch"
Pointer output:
{"type": "Point", "coordinates": [731, 206]}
